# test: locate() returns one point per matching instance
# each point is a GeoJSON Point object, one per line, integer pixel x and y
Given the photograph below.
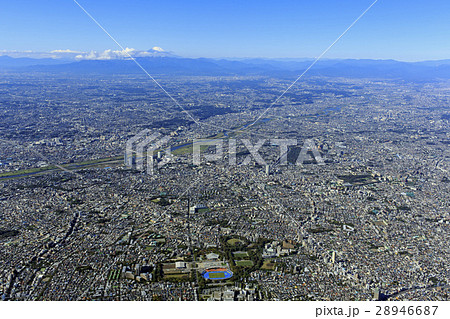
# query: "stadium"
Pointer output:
{"type": "Point", "coordinates": [217, 273]}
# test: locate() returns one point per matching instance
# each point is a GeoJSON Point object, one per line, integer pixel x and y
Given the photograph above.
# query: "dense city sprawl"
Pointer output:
{"type": "Point", "coordinates": [370, 222]}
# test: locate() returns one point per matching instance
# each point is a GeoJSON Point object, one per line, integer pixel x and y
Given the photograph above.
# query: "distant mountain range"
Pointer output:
{"type": "Point", "coordinates": [353, 68]}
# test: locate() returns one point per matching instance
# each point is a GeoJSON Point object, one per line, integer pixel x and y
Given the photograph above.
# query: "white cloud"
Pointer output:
{"type": "Point", "coordinates": [92, 55]}
{"type": "Point", "coordinates": [106, 55]}
{"type": "Point", "coordinates": [127, 53]}
{"type": "Point", "coordinates": [65, 51]}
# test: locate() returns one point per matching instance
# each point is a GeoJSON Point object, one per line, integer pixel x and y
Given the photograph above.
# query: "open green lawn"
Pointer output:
{"type": "Point", "coordinates": [183, 150]}
{"type": "Point", "coordinates": [244, 263]}
{"type": "Point", "coordinates": [176, 275]}
{"type": "Point", "coordinates": [268, 265]}
{"type": "Point", "coordinates": [28, 171]}
{"type": "Point", "coordinates": [234, 241]}
{"type": "Point", "coordinates": [241, 254]}
{"type": "Point", "coordinates": [188, 149]}
{"type": "Point", "coordinates": [85, 164]}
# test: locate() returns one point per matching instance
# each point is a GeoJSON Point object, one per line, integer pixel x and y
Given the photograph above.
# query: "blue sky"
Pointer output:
{"type": "Point", "coordinates": [393, 29]}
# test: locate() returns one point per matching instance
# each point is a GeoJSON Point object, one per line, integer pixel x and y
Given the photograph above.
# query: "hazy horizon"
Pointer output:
{"type": "Point", "coordinates": [68, 54]}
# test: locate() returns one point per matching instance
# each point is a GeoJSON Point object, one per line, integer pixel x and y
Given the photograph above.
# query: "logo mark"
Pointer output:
{"type": "Point", "coordinates": [140, 149]}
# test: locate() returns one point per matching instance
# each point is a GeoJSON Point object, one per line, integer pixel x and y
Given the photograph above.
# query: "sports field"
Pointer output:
{"type": "Point", "coordinates": [240, 254]}
{"type": "Point", "coordinates": [244, 263]}
{"type": "Point", "coordinates": [217, 274]}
